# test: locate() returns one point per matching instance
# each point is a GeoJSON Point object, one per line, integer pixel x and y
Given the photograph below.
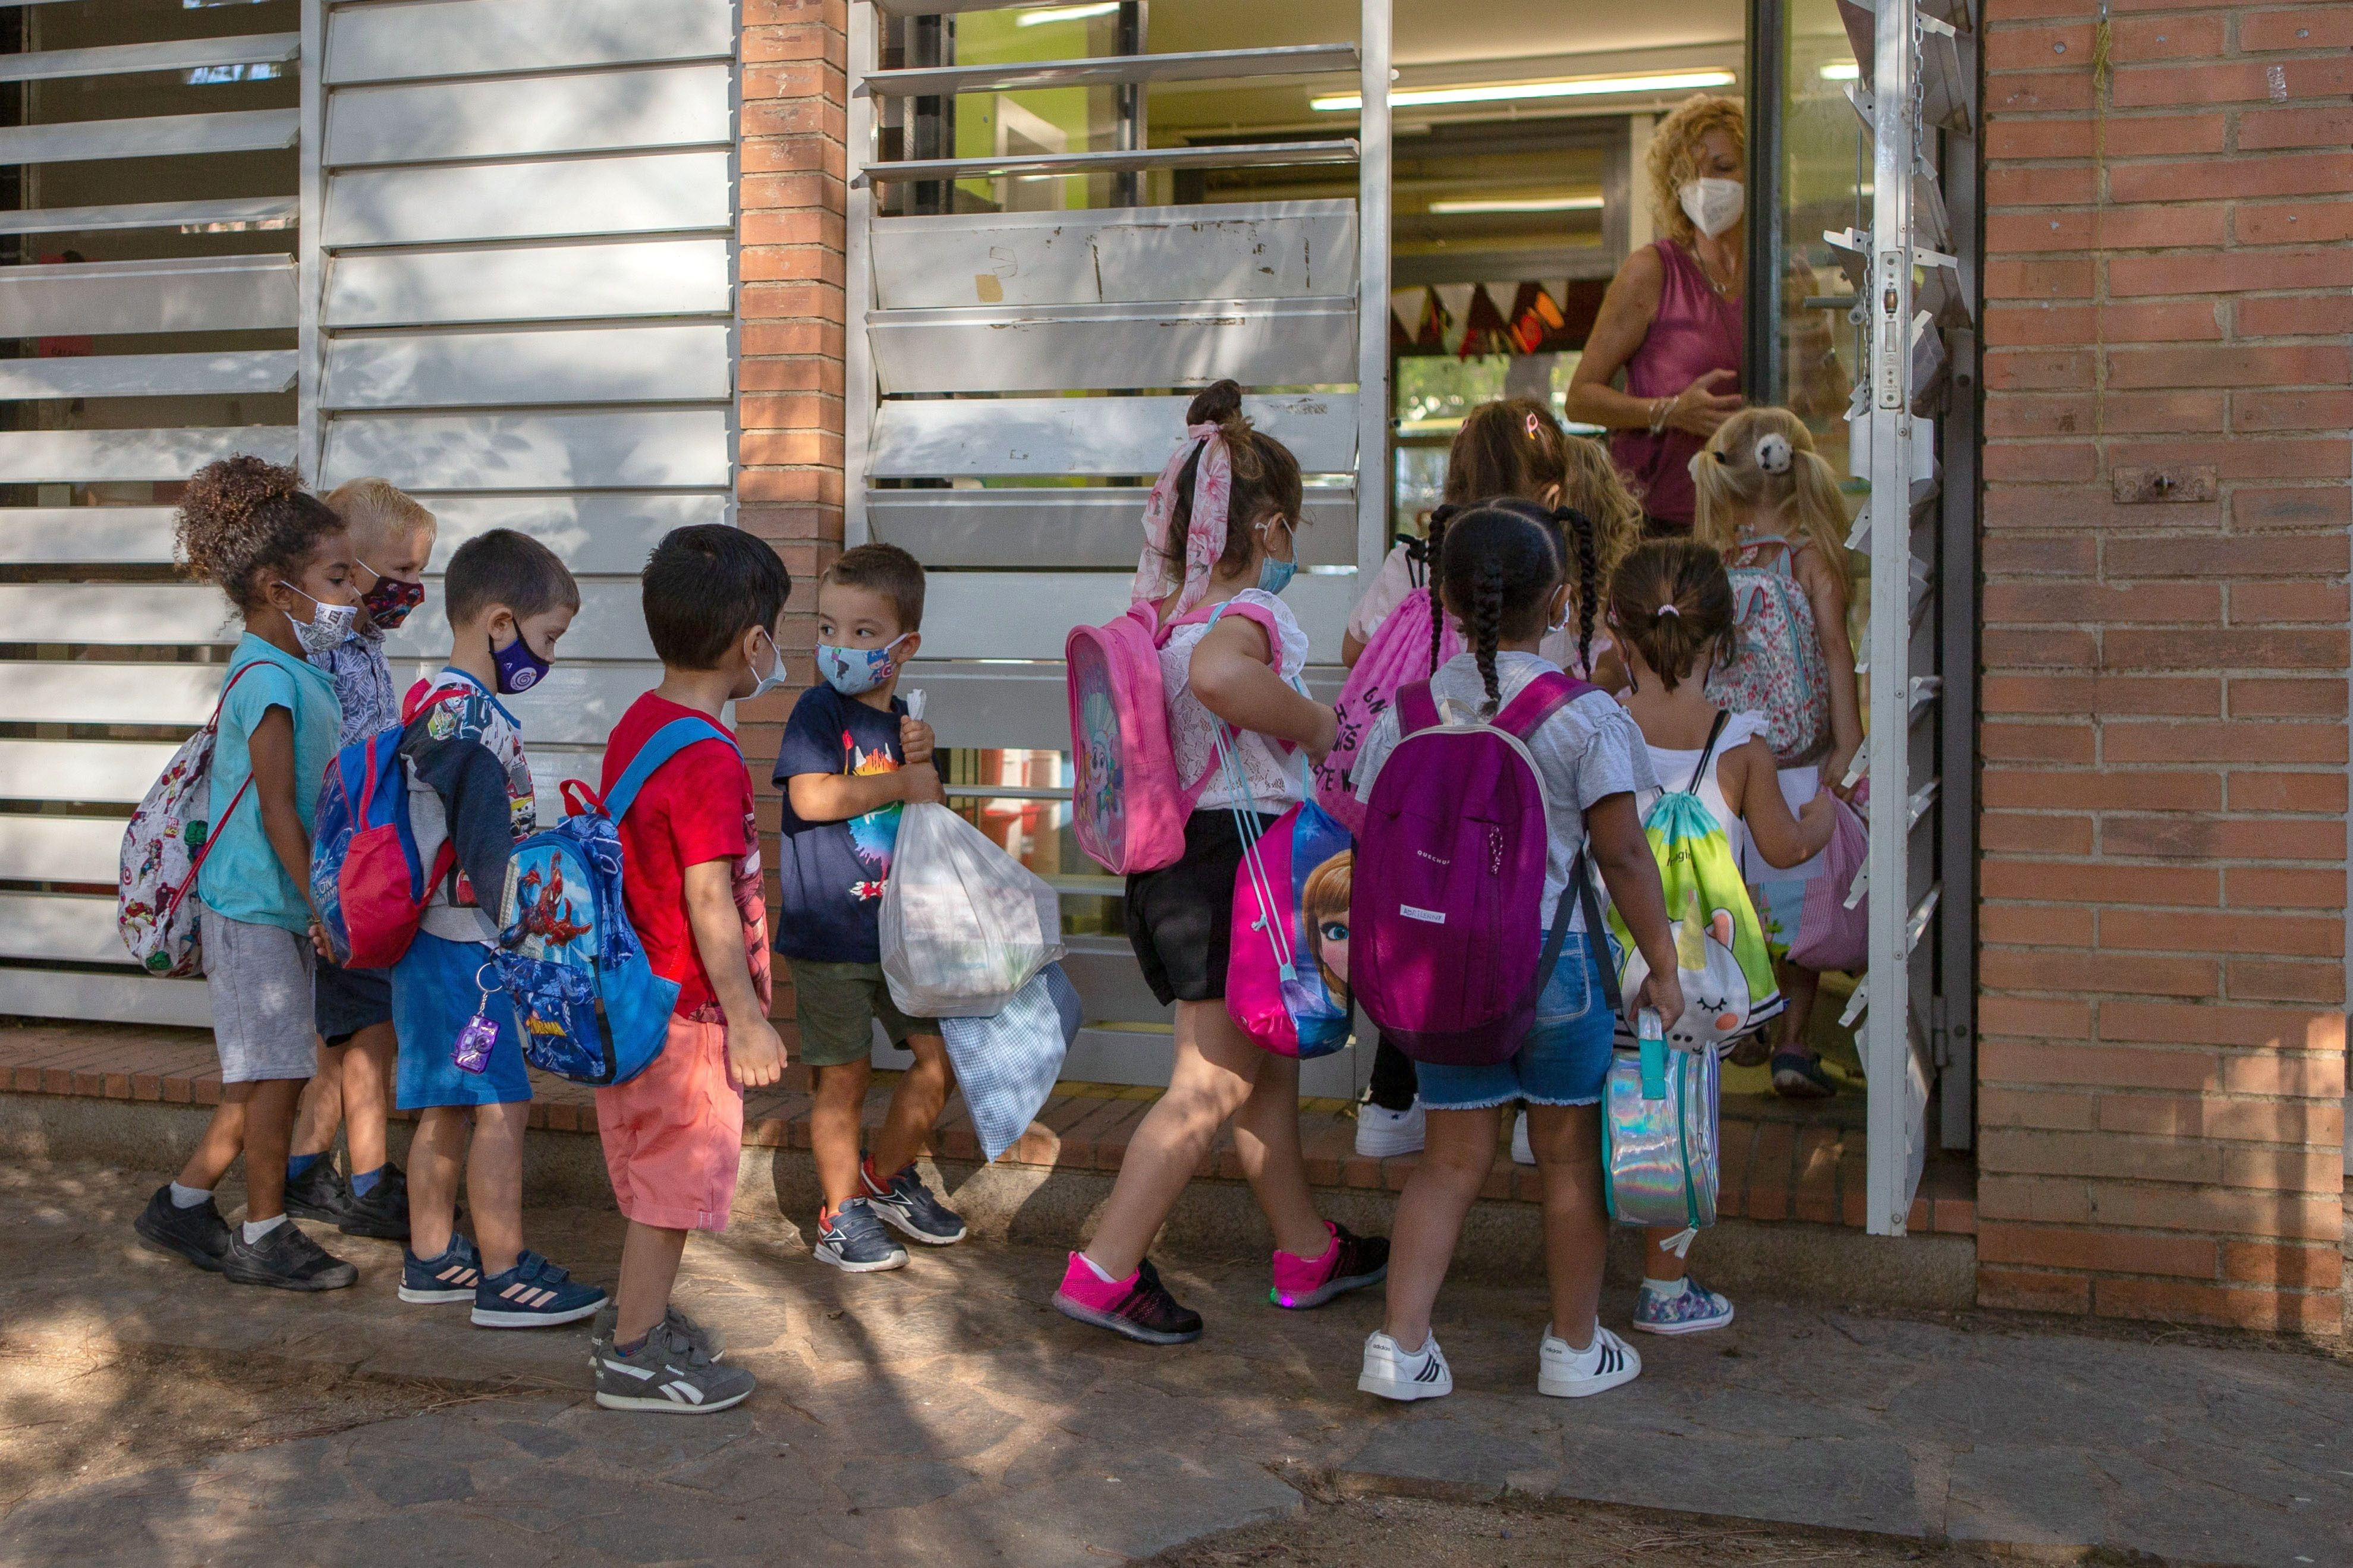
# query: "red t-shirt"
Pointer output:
{"type": "Point", "coordinates": [697, 807]}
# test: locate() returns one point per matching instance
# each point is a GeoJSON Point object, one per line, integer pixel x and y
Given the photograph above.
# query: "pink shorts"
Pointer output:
{"type": "Point", "coordinates": [674, 1134]}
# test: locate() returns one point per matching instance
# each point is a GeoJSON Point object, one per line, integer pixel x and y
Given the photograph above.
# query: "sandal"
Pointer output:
{"type": "Point", "coordinates": [1752, 1052]}
{"type": "Point", "coordinates": [1797, 1076]}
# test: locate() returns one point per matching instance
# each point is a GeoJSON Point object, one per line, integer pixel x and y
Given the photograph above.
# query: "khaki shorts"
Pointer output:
{"type": "Point", "coordinates": [837, 1005]}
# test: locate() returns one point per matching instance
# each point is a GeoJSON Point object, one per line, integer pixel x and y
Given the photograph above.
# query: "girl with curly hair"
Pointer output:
{"type": "Point", "coordinates": [285, 563]}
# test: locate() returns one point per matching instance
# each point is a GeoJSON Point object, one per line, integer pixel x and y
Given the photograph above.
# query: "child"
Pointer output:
{"type": "Point", "coordinates": [285, 562]}
{"type": "Point", "coordinates": [673, 1135]}
{"type": "Point", "coordinates": [1671, 611]}
{"type": "Point", "coordinates": [392, 539]}
{"type": "Point", "coordinates": [850, 757]}
{"type": "Point", "coordinates": [1238, 671]}
{"type": "Point", "coordinates": [1513, 447]}
{"type": "Point", "coordinates": [510, 600]}
{"type": "Point", "coordinates": [1771, 505]}
{"type": "Point", "coordinates": [1501, 578]}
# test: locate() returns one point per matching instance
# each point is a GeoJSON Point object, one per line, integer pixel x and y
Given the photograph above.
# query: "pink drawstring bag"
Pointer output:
{"type": "Point", "coordinates": [1830, 935]}
{"type": "Point", "coordinates": [1397, 655]}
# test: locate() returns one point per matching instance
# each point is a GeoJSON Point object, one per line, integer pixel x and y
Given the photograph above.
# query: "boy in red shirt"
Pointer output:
{"type": "Point", "coordinates": [690, 878]}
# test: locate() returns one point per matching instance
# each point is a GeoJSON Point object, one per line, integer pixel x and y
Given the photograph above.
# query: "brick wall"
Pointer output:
{"type": "Point", "coordinates": [2162, 1068]}
{"type": "Point", "coordinates": [789, 375]}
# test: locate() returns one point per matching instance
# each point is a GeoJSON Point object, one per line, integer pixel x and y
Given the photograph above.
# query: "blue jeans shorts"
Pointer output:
{"type": "Point", "coordinates": [1565, 1059]}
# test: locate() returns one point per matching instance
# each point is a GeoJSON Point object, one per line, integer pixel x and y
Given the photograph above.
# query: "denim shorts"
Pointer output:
{"type": "Point", "coordinates": [1565, 1059]}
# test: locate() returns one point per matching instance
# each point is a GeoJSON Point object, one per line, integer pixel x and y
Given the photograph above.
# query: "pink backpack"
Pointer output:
{"type": "Point", "coordinates": [1287, 973]}
{"type": "Point", "coordinates": [1830, 935]}
{"type": "Point", "coordinates": [1127, 806]}
{"type": "Point", "coordinates": [1449, 881]}
{"type": "Point", "coordinates": [1780, 671]}
{"type": "Point", "coordinates": [1398, 653]}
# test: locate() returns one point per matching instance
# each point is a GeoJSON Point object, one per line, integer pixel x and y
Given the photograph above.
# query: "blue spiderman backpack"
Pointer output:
{"type": "Point", "coordinates": [588, 1005]}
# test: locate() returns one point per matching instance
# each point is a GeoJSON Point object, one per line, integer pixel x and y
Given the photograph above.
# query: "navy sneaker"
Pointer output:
{"type": "Point", "coordinates": [285, 1259]}
{"type": "Point", "coordinates": [198, 1234]}
{"type": "Point", "coordinates": [534, 1294]}
{"type": "Point", "coordinates": [382, 1211]}
{"type": "Point", "coordinates": [441, 1281]}
{"type": "Point", "coordinates": [907, 1204]}
{"type": "Point", "coordinates": [854, 1241]}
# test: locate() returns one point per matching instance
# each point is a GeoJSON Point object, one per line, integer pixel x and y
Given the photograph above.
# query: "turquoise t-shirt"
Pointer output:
{"type": "Point", "coordinates": [242, 878]}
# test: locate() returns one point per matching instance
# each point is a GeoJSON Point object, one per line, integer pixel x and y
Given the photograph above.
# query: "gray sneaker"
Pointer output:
{"type": "Point", "coordinates": [668, 1373]}
{"type": "Point", "coordinates": [608, 1318]}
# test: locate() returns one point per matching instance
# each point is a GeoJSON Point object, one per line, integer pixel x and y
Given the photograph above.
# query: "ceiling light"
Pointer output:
{"type": "Point", "coordinates": [1063, 14]}
{"type": "Point", "coordinates": [1508, 92]}
{"type": "Point", "coordinates": [1520, 205]}
{"type": "Point", "coordinates": [1840, 71]}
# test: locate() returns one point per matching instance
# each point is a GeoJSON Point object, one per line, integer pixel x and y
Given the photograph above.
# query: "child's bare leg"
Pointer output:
{"type": "Point", "coordinates": [494, 1183]}
{"type": "Point", "coordinates": [222, 1141]}
{"type": "Point", "coordinates": [268, 1125]}
{"type": "Point", "coordinates": [915, 1107]}
{"type": "Point", "coordinates": [1660, 1264]}
{"type": "Point", "coordinates": [835, 1122]}
{"type": "Point", "coordinates": [1212, 1076]}
{"type": "Point", "coordinates": [649, 1259]}
{"type": "Point", "coordinates": [434, 1156]}
{"type": "Point", "coordinates": [1455, 1163]}
{"type": "Point", "coordinates": [1266, 1142]}
{"type": "Point", "coordinates": [1568, 1144]}
{"type": "Point", "coordinates": [1799, 987]}
{"type": "Point", "coordinates": [322, 1110]}
{"type": "Point", "coordinates": [367, 1095]}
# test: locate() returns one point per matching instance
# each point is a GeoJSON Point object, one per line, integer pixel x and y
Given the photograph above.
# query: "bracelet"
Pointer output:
{"type": "Point", "coordinates": [1660, 408]}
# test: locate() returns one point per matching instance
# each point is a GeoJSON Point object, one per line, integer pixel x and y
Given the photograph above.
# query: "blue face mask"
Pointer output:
{"type": "Point", "coordinates": [1274, 575]}
{"type": "Point", "coordinates": [853, 671]}
{"type": "Point", "coordinates": [518, 668]}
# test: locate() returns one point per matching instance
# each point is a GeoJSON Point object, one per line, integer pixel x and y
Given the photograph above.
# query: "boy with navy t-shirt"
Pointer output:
{"type": "Point", "coordinates": [852, 758]}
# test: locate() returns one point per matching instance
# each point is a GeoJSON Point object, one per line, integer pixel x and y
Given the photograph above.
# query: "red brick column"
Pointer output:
{"type": "Point", "coordinates": [789, 373]}
{"type": "Point", "coordinates": [2162, 1065]}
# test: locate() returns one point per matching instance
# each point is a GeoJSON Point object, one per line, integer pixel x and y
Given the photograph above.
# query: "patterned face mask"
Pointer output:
{"type": "Point", "coordinates": [390, 601]}
{"type": "Point", "coordinates": [329, 625]}
{"type": "Point", "coordinates": [856, 671]}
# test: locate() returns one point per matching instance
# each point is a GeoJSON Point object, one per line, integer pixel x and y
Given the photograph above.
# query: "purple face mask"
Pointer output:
{"type": "Point", "coordinates": [519, 668]}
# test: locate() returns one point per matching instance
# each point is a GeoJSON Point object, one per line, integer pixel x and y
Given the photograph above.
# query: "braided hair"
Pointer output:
{"type": "Point", "coordinates": [1579, 535]}
{"type": "Point", "coordinates": [1501, 564]}
{"type": "Point", "coordinates": [1438, 522]}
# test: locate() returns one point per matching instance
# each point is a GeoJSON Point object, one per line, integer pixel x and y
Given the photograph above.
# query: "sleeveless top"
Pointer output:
{"type": "Point", "coordinates": [1696, 330]}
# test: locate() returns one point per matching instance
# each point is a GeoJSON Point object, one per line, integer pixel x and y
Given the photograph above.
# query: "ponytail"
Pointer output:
{"type": "Point", "coordinates": [1580, 532]}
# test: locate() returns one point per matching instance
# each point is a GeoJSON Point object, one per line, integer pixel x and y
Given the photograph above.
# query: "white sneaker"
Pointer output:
{"type": "Point", "coordinates": [1522, 1152]}
{"type": "Point", "coordinates": [1602, 1365]}
{"type": "Point", "coordinates": [1384, 1134]}
{"type": "Point", "coordinates": [1395, 1374]}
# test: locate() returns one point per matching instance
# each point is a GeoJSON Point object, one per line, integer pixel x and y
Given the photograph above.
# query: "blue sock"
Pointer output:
{"type": "Point", "coordinates": [363, 1182]}
{"type": "Point", "coordinates": [299, 1165]}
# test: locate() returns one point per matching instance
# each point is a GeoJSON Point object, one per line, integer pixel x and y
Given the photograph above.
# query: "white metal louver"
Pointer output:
{"type": "Point", "coordinates": [989, 350]}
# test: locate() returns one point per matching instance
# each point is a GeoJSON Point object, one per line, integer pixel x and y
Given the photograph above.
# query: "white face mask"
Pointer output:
{"type": "Point", "coordinates": [329, 625]}
{"type": "Point", "coordinates": [764, 684]}
{"type": "Point", "coordinates": [1713, 205]}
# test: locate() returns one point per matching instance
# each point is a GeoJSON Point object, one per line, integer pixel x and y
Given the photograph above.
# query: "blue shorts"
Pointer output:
{"type": "Point", "coordinates": [434, 992]}
{"type": "Point", "coordinates": [1564, 1061]}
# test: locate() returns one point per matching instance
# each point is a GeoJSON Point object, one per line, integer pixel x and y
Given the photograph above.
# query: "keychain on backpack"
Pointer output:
{"type": "Point", "coordinates": [472, 1051]}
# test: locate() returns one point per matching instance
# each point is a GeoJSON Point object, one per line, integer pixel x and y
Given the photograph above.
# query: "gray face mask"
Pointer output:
{"type": "Point", "coordinates": [764, 684]}
{"type": "Point", "coordinates": [329, 627]}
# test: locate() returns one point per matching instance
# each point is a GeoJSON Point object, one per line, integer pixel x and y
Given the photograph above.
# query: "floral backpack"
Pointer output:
{"type": "Point", "coordinates": [1780, 672]}
{"type": "Point", "coordinates": [164, 847]}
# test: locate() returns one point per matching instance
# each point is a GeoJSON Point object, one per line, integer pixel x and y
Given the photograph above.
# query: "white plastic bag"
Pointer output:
{"type": "Point", "coordinates": [965, 925]}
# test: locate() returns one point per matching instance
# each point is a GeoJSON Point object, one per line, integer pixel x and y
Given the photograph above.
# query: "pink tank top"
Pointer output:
{"type": "Point", "coordinates": [1696, 330]}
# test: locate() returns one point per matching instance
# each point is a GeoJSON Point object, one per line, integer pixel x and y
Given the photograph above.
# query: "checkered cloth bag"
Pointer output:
{"type": "Point", "coordinates": [1006, 1063]}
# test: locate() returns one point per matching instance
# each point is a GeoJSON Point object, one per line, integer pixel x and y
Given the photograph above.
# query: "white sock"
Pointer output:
{"type": "Point", "coordinates": [1662, 1287]}
{"type": "Point", "coordinates": [1098, 1269]}
{"type": "Point", "coordinates": [188, 1197]}
{"type": "Point", "coordinates": [255, 1230]}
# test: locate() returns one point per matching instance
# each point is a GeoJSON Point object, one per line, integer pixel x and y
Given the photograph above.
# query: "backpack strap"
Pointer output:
{"type": "Point", "coordinates": [1417, 708]}
{"type": "Point", "coordinates": [1707, 752]}
{"type": "Point", "coordinates": [661, 747]}
{"type": "Point", "coordinates": [1538, 701]}
{"type": "Point", "coordinates": [1579, 892]}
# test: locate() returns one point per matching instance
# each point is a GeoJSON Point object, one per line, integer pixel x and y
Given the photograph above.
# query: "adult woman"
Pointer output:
{"type": "Point", "coordinates": [1674, 318]}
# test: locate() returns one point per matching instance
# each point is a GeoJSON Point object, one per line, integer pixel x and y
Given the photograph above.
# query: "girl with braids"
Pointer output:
{"type": "Point", "coordinates": [1771, 505]}
{"type": "Point", "coordinates": [1500, 577]}
{"type": "Point", "coordinates": [285, 563]}
{"type": "Point", "coordinates": [1515, 449]}
{"type": "Point", "coordinates": [1236, 673]}
{"type": "Point", "coordinates": [1670, 608]}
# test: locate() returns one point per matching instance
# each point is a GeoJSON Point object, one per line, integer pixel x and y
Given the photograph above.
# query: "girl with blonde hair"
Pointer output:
{"type": "Point", "coordinates": [1770, 504]}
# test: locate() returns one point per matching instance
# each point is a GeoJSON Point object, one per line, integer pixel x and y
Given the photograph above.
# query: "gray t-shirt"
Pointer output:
{"type": "Point", "coordinates": [1585, 751]}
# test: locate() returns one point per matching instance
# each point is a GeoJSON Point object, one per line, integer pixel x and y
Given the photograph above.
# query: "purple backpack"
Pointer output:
{"type": "Point", "coordinates": [1447, 956]}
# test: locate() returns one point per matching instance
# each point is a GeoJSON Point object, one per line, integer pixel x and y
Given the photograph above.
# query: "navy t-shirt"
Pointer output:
{"type": "Point", "coordinates": [833, 873]}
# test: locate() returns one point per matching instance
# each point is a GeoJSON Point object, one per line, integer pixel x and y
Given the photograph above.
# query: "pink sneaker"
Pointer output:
{"type": "Point", "coordinates": [1138, 1307]}
{"type": "Point", "coordinates": [1350, 1263]}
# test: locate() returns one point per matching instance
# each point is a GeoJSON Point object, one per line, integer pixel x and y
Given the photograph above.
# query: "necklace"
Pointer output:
{"type": "Point", "coordinates": [1723, 289]}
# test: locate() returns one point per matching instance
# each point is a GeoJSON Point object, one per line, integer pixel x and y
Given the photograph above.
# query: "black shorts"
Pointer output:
{"type": "Point", "coordinates": [1180, 918]}
{"type": "Point", "coordinates": [349, 1000]}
